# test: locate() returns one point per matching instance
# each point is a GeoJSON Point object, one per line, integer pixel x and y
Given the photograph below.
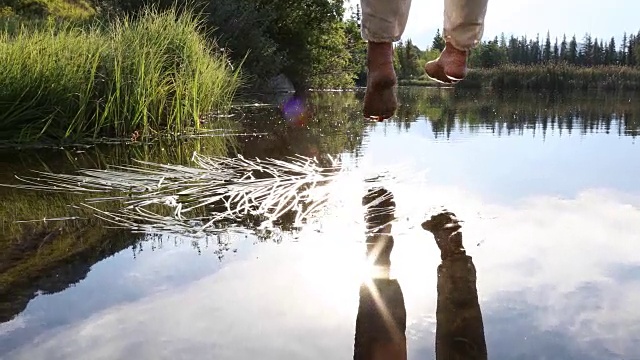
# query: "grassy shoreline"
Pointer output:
{"type": "Point", "coordinates": [554, 77]}
{"type": "Point", "coordinates": [157, 74]}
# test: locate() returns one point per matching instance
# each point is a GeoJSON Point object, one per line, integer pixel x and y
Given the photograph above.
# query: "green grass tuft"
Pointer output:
{"type": "Point", "coordinates": [157, 73]}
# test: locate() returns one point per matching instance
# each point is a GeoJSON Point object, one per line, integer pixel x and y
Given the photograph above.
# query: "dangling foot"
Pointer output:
{"type": "Point", "coordinates": [450, 67]}
{"type": "Point", "coordinates": [380, 100]}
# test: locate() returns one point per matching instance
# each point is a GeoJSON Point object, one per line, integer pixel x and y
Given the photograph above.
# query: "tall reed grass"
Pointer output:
{"type": "Point", "coordinates": [158, 73]}
{"type": "Point", "coordinates": [555, 77]}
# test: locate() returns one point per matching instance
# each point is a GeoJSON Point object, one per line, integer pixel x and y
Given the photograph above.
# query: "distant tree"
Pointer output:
{"type": "Point", "coordinates": [408, 60]}
{"type": "Point", "coordinates": [438, 41]}
{"type": "Point", "coordinates": [636, 50]}
{"type": "Point", "coordinates": [564, 54]}
{"type": "Point", "coordinates": [513, 51]}
{"type": "Point", "coordinates": [586, 52]}
{"type": "Point", "coordinates": [536, 51]}
{"type": "Point", "coordinates": [612, 55]}
{"type": "Point", "coordinates": [622, 55]}
{"type": "Point", "coordinates": [488, 55]}
{"type": "Point", "coordinates": [595, 53]}
{"type": "Point", "coordinates": [573, 51]}
{"type": "Point", "coordinates": [630, 50]}
{"type": "Point", "coordinates": [546, 53]}
{"type": "Point", "coordinates": [556, 52]}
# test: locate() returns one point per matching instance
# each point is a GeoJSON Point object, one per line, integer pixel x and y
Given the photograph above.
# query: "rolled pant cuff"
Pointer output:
{"type": "Point", "coordinates": [372, 37]}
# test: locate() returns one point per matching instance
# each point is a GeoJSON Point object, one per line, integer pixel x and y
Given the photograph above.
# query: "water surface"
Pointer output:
{"type": "Point", "coordinates": [547, 187]}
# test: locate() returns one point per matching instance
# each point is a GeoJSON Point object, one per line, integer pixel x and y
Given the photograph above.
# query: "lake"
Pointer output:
{"type": "Point", "coordinates": [546, 186]}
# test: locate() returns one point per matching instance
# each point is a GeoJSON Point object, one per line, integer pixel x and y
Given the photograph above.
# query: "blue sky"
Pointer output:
{"type": "Point", "coordinates": [602, 19]}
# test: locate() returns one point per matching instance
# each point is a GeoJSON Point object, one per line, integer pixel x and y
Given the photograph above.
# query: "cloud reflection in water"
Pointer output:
{"type": "Point", "coordinates": [555, 279]}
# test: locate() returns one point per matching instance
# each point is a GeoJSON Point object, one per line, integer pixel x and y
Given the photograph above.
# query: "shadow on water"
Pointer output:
{"type": "Point", "coordinates": [382, 317]}
{"type": "Point", "coordinates": [42, 257]}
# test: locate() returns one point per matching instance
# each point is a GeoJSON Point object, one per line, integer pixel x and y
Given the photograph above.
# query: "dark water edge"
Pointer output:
{"type": "Point", "coordinates": [39, 259]}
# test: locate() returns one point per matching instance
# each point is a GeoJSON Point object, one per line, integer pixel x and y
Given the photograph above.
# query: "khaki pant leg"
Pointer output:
{"type": "Point", "coordinates": [464, 22]}
{"type": "Point", "coordinates": [384, 20]}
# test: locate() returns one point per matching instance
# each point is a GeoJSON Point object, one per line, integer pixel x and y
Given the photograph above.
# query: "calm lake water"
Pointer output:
{"type": "Point", "coordinates": [547, 187]}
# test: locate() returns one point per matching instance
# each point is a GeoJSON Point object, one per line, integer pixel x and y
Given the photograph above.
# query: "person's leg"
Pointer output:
{"type": "Point", "coordinates": [463, 28]}
{"type": "Point", "coordinates": [383, 22]}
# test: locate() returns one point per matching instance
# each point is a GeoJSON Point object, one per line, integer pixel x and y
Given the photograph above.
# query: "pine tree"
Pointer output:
{"type": "Point", "coordinates": [564, 55]}
{"type": "Point", "coordinates": [622, 55]}
{"type": "Point", "coordinates": [634, 54]}
{"type": "Point", "coordinates": [438, 41]}
{"type": "Point", "coordinates": [612, 59]}
{"type": "Point", "coordinates": [630, 47]}
{"type": "Point", "coordinates": [513, 51]}
{"type": "Point", "coordinates": [536, 51]}
{"type": "Point", "coordinates": [556, 54]}
{"type": "Point", "coordinates": [503, 42]}
{"type": "Point", "coordinates": [546, 54]}
{"type": "Point", "coordinates": [573, 51]}
{"type": "Point", "coordinates": [586, 53]}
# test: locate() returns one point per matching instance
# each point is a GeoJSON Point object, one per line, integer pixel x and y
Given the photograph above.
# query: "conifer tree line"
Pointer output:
{"type": "Point", "coordinates": [590, 51]}
{"type": "Point", "coordinates": [585, 52]}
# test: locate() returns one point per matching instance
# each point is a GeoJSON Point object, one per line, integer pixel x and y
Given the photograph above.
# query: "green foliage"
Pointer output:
{"type": "Point", "coordinates": [357, 48]}
{"type": "Point", "coordinates": [301, 28]}
{"type": "Point", "coordinates": [409, 62]}
{"type": "Point", "coordinates": [331, 67]}
{"type": "Point", "coordinates": [156, 73]}
{"type": "Point", "coordinates": [488, 55]}
{"type": "Point", "coordinates": [246, 37]}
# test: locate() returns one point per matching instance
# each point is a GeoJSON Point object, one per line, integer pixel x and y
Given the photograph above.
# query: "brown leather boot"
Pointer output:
{"type": "Point", "coordinates": [380, 100]}
{"type": "Point", "coordinates": [450, 67]}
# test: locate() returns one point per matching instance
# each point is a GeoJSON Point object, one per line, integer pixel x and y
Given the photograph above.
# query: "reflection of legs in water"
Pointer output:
{"type": "Point", "coordinates": [459, 331]}
{"type": "Point", "coordinates": [381, 320]}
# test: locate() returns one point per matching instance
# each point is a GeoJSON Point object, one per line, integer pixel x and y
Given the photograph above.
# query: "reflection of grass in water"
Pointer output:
{"type": "Point", "coordinates": [32, 249]}
{"type": "Point", "coordinates": [25, 210]}
{"type": "Point", "coordinates": [198, 199]}
{"type": "Point", "coordinates": [19, 205]}
{"type": "Point", "coordinates": [50, 261]}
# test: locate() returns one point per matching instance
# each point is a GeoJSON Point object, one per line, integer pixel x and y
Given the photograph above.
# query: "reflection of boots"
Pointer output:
{"type": "Point", "coordinates": [446, 230]}
{"type": "Point", "coordinates": [380, 100]}
{"type": "Point", "coordinates": [450, 67]}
